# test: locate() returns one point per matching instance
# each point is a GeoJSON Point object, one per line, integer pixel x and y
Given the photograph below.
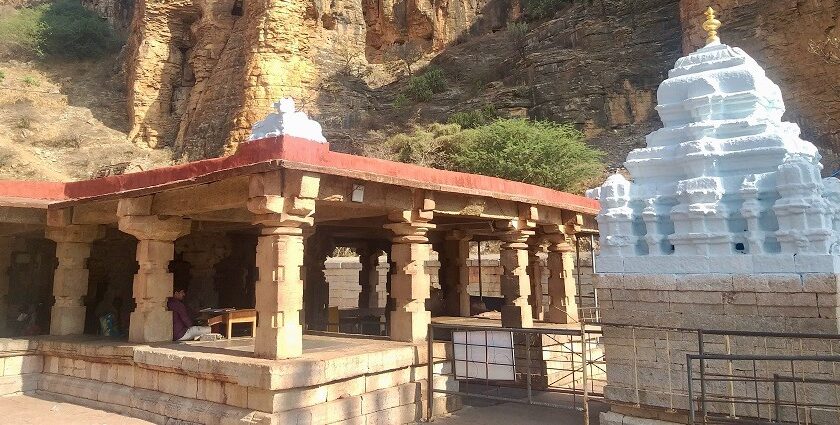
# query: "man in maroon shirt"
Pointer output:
{"type": "Point", "coordinates": [182, 323]}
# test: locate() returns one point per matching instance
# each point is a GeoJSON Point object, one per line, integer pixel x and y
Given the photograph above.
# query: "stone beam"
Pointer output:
{"type": "Point", "coordinates": [220, 195]}
{"type": "Point", "coordinates": [102, 212]}
{"type": "Point", "coordinates": [16, 215]}
{"type": "Point", "coordinates": [70, 281]}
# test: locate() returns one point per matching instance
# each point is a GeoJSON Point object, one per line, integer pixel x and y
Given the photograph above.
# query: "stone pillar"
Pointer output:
{"type": "Point", "coordinates": [318, 246]}
{"type": "Point", "coordinates": [369, 277]}
{"type": "Point", "coordinates": [150, 320]}
{"type": "Point", "coordinates": [535, 272]}
{"type": "Point", "coordinates": [203, 251]}
{"type": "Point", "coordinates": [279, 293]}
{"type": "Point", "coordinates": [515, 282]}
{"type": "Point", "coordinates": [283, 204]}
{"type": "Point", "coordinates": [70, 282]}
{"type": "Point", "coordinates": [561, 281]}
{"type": "Point", "coordinates": [456, 272]}
{"type": "Point", "coordinates": [6, 244]}
{"type": "Point", "coordinates": [410, 284]}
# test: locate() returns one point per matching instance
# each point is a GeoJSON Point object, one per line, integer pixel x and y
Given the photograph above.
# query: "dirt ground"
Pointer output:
{"type": "Point", "coordinates": [41, 409]}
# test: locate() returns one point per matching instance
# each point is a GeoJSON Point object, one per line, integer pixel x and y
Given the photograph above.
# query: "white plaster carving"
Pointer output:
{"type": "Point", "coordinates": [289, 122]}
{"type": "Point", "coordinates": [724, 177]}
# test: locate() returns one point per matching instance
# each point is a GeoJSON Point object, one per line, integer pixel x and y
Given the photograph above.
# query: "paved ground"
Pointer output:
{"type": "Point", "coordinates": [483, 412]}
{"type": "Point", "coordinates": [41, 409]}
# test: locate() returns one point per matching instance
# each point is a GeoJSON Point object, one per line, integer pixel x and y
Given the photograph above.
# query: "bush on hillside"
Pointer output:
{"type": "Point", "coordinates": [537, 152]}
{"type": "Point", "coordinates": [541, 153]}
{"type": "Point", "coordinates": [63, 28]}
{"type": "Point", "coordinates": [429, 145]}
{"type": "Point", "coordinates": [421, 88]}
{"type": "Point", "coordinates": [540, 9]}
{"type": "Point", "coordinates": [474, 118]}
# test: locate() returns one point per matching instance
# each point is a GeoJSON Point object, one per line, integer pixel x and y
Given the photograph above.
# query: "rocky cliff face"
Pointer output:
{"type": "Point", "coordinates": [200, 72]}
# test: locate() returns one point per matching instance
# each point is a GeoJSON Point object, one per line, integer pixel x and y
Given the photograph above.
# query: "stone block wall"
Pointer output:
{"type": "Point", "coordinates": [378, 386]}
{"type": "Point", "coordinates": [648, 366]}
{"type": "Point", "coordinates": [20, 367]}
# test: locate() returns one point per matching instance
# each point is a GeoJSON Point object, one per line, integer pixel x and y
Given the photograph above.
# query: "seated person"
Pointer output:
{"type": "Point", "coordinates": [182, 323]}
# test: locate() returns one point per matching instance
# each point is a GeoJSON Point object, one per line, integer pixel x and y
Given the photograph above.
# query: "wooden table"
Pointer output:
{"type": "Point", "coordinates": [228, 318]}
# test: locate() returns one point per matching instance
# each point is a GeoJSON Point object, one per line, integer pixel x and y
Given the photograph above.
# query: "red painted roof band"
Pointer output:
{"type": "Point", "coordinates": [290, 149]}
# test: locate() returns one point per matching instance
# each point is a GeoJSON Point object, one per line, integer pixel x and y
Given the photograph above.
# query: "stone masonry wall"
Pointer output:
{"type": "Point", "coordinates": [648, 366]}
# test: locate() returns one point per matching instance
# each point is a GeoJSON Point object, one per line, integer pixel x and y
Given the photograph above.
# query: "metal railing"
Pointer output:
{"type": "Point", "coordinates": [782, 378]}
{"type": "Point", "coordinates": [559, 368]}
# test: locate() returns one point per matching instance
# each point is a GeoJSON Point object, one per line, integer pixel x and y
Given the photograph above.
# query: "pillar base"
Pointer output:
{"type": "Point", "coordinates": [515, 316]}
{"type": "Point", "coordinates": [278, 343]}
{"type": "Point", "coordinates": [410, 326]}
{"type": "Point", "coordinates": [150, 326]}
{"type": "Point", "coordinates": [67, 320]}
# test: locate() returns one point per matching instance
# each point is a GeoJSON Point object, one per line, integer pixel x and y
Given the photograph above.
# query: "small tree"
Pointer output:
{"type": "Point", "coordinates": [407, 54]}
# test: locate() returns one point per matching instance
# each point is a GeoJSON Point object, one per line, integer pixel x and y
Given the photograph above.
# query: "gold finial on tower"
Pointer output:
{"type": "Point", "coordinates": [711, 26]}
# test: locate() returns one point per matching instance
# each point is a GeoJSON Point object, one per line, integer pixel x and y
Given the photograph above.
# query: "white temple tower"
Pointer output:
{"type": "Point", "coordinates": [725, 224]}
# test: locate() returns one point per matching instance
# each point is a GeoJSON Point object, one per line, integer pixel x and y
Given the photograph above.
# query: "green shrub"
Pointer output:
{"type": "Point", "coordinates": [21, 31]}
{"type": "Point", "coordinates": [428, 145]}
{"type": "Point", "coordinates": [538, 152]}
{"type": "Point", "coordinates": [541, 153]}
{"type": "Point", "coordinates": [400, 102]}
{"type": "Point", "coordinates": [421, 88]}
{"type": "Point", "coordinates": [62, 28]}
{"type": "Point", "coordinates": [72, 30]}
{"type": "Point", "coordinates": [30, 81]}
{"type": "Point", "coordinates": [474, 118]}
{"type": "Point", "coordinates": [2, 75]}
{"type": "Point", "coordinates": [539, 9]}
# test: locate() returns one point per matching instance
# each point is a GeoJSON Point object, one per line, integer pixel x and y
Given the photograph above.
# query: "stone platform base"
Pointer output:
{"type": "Point", "coordinates": [338, 380]}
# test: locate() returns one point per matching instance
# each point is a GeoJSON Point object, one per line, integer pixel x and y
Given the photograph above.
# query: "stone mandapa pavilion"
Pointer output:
{"type": "Point", "coordinates": [286, 198]}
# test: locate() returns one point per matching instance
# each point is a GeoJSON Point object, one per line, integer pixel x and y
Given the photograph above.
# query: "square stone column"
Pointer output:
{"type": "Point", "coordinates": [535, 272]}
{"type": "Point", "coordinates": [410, 284]}
{"type": "Point", "coordinates": [456, 272]}
{"type": "Point", "coordinates": [284, 205]}
{"type": "Point", "coordinates": [369, 277]}
{"type": "Point", "coordinates": [279, 292]}
{"type": "Point", "coordinates": [516, 286]}
{"type": "Point", "coordinates": [203, 251]}
{"type": "Point", "coordinates": [70, 282]}
{"type": "Point", "coordinates": [561, 282]}
{"type": "Point", "coordinates": [150, 320]}
{"type": "Point", "coordinates": [6, 244]}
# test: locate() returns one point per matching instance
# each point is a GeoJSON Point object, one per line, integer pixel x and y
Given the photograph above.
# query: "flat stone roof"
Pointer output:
{"type": "Point", "coordinates": [290, 153]}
